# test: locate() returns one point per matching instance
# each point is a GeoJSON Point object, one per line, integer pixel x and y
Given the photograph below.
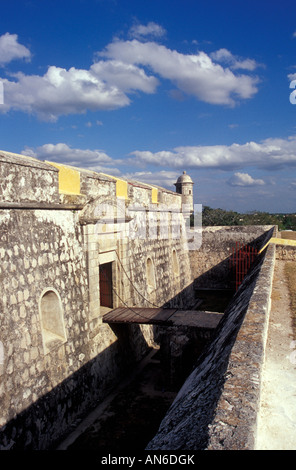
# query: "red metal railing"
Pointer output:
{"type": "Point", "coordinates": [241, 260]}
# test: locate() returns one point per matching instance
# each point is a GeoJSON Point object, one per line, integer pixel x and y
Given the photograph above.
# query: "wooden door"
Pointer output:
{"type": "Point", "coordinates": [106, 297]}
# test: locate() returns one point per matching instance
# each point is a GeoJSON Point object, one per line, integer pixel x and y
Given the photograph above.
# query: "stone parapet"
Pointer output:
{"type": "Point", "coordinates": [25, 179]}
{"type": "Point", "coordinates": [218, 404]}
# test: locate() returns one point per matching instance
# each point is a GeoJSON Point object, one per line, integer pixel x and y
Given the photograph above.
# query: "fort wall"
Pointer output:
{"type": "Point", "coordinates": [58, 226]}
{"type": "Point", "coordinates": [211, 263]}
{"type": "Point", "coordinates": [25, 179]}
{"type": "Point", "coordinates": [217, 407]}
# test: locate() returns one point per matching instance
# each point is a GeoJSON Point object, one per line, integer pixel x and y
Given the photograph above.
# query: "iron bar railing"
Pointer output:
{"type": "Point", "coordinates": [241, 260]}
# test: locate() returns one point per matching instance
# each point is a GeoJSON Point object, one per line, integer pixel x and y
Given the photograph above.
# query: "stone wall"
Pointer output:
{"type": "Point", "coordinates": [27, 180]}
{"type": "Point", "coordinates": [60, 359]}
{"type": "Point", "coordinates": [286, 253]}
{"type": "Point", "coordinates": [210, 264]}
{"type": "Point", "coordinates": [218, 404]}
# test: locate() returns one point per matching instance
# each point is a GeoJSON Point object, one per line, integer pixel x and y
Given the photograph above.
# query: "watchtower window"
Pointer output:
{"type": "Point", "coordinates": [52, 320]}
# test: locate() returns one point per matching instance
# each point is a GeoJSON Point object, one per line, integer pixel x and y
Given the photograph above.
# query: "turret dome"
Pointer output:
{"type": "Point", "coordinates": [184, 179]}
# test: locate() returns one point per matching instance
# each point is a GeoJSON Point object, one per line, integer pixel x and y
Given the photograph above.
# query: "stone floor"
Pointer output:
{"type": "Point", "coordinates": [277, 417]}
{"type": "Point", "coordinates": [130, 416]}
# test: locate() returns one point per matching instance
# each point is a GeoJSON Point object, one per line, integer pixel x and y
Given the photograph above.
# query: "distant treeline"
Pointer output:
{"type": "Point", "coordinates": [222, 217]}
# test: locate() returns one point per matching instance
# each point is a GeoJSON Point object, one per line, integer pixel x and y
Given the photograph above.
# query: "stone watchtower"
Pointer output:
{"type": "Point", "coordinates": [184, 186]}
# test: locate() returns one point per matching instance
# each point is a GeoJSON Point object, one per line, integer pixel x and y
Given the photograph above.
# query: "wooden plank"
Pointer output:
{"type": "Point", "coordinates": [138, 315]}
{"type": "Point", "coordinates": [125, 316]}
{"type": "Point", "coordinates": [162, 316]}
{"type": "Point", "coordinates": [113, 314]}
{"type": "Point", "coordinates": [158, 316]}
{"type": "Point", "coordinates": [134, 316]}
{"type": "Point", "coordinates": [196, 318]}
{"type": "Point", "coordinates": [151, 313]}
{"type": "Point", "coordinates": [122, 315]}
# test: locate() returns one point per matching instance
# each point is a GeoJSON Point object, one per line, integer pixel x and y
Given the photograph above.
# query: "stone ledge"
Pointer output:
{"type": "Point", "coordinates": [23, 160]}
{"type": "Point", "coordinates": [218, 404]}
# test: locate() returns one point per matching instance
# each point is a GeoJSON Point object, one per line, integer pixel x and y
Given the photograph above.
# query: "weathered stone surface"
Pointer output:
{"type": "Point", "coordinates": [211, 263]}
{"type": "Point", "coordinates": [49, 380]}
{"type": "Point", "coordinates": [286, 253]}
{"type": "Point", "coordinates": [52, 375]}
{"type": "Point", "coordinates": [218, 404]}
{"type": "Point", "coordinates": [27, 179]}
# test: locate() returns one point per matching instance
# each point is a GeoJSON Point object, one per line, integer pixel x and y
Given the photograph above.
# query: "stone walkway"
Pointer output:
{"type": "Point", "coordinates": [277, 417]}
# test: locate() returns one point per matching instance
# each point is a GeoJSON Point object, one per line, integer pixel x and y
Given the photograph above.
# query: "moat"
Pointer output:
{"type": "Point", "coordinates": [131, 415]}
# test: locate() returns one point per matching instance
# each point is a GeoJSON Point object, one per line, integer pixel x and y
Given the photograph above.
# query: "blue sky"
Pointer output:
{"type": "Point", "coordinates": [147, 89]}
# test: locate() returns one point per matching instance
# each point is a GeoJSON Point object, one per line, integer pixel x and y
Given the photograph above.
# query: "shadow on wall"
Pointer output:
{"type": "Point", "coordinates": [222, 275]}
{"type": "Point", "coordinates": [41, 425]}
{"type": "Point", "coordinates": [51, 417]}
{"type": "Point", "coordinates": [187, 424]}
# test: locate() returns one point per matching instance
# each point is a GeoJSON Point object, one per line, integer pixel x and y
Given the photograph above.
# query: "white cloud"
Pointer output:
{"type": "Point", "coordinates": [11, 49]}
{"type": "Point", "coordinates": [161, 178]}
{"type": "Point", "coordinates": [195, 75]}
{"type": "Point", "coordinates": [126, 77]}
{"type": "Point", "coordinates": [99, 161]}
{"type": "Point", "coordinates": [244, 179]}
{"type": "Point", "coordinates": [271, 154]}
{"type": "Point", "coordinates": [123, 68]}
{"type": "Point", "coordinates": [61, 91]}
{"type": "Point", "coordinates": [151, 29]}
{"type": "Point", "coordinates": [234, 62]}
{"type": "Point", "coordinates": [292, 76]}
{"type": "Point", "coordinates": [95, 160]}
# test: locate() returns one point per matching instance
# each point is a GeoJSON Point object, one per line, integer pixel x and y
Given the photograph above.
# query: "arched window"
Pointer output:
{"type": "Point", "coordinates": [150, 275]}
{"type": "Point", "coordinates": [52, 320]}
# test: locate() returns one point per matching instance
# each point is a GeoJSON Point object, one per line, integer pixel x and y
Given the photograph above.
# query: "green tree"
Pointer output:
{"type": "Point", "coordinates": [214, 217]}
